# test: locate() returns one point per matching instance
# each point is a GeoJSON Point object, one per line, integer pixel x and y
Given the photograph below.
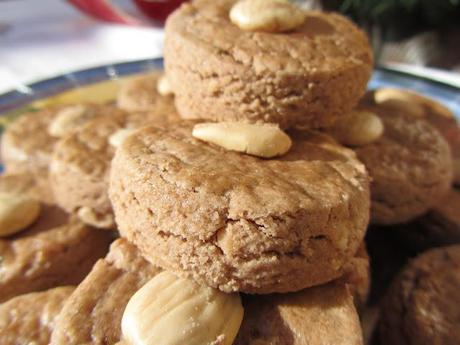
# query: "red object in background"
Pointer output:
{"type": "Point", "coordinates": [158, 10]}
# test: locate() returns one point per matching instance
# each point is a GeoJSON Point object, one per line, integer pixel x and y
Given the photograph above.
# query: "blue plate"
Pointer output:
{"type": "Point", "coordinates": [19, 98]}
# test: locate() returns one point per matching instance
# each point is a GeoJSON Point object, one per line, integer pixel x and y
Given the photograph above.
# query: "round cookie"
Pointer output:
{"type": "Point", "coordinates": [27, 144]}
{"type": "Point", "coordinates": [305, 78]}
{"type": "Point", "coordinates": [237, 222]}
{"type": "Point", "coordinates": [140, 94]}
{"type": "Point", "coordinates": [410, 166]}
{"type": "Point", "coordinates": [438, 115]}
{"type": "Point", "coordinates": [316, 316]}
{"type": "Point", "coordinates": [81, 162]}
{"type": "Point", "coordinates": [55, 250]}
{"type": "Point", "coordinates": [30, 318]}
{"type": "Point", "coordinates": [92, 315]}
{"type": "Point", "coordinates": [421, 306]}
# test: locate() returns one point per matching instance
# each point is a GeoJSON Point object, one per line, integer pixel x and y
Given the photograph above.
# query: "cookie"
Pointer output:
{"type": "Point", "coordinates": [358, 276]}
{"type": "Point", "coordinates": [316, 316]}
{"type": "Point", "coordinates": [421, 306]}
{"type": "Point", "coordinates": [410, 166]}
{"type": "Point", "coordinates": [92, 315]}
{"type": "Point", "coordinates": [30, 318]}
{"type": "Point", "coordinates": [438, 227]}
{"type": "Point", "coordinates": [237, 222]}
{"type": "Point", "coordinates": [55, 250]}
{"type": "Point", "coordinates": [140, 94]}
{"type": "Point", "coordinates": [438, 115]}
{"type": "Point", "coordinates": [80, 165]}
{"type": "Point", "coordinates": [306, 78]}
{"type": "Point", "coordinates": [26, 145]}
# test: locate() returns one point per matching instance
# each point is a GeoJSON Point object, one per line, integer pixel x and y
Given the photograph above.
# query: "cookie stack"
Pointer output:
{"type": "Point", "coordinates": [241, 182]}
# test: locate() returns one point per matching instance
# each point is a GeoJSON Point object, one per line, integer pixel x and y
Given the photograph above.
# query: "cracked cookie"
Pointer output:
{"type": "Point", "coordinates": [30, 319]}
{"type": "Point", "coordinates": [422, 305]}
{"type": "Point", "coordinates": [92, 315]}
{"type": "Point", "coordinates": [141, 94]}
{"type": "Point", "coordinates": [410, 166]}
{"type": "Point", "coordinates": [81, 162]}
{"type": "Point", "coordinates": [237, 222]}
{"type": "Point", "coordinates": [307, 77]}
{"type": "Point", "coordinates": [55, 250]}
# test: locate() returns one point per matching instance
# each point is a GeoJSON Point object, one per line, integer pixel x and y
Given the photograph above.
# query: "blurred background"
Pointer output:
{"type": "Point", "coordinates": [44, 38]}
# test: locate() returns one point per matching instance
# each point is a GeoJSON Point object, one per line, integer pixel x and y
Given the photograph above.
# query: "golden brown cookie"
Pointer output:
{"type": "Point", "coordinates": [438, 115]}
{"type": "Point", "coordinates": [422, 305]}
{"type": "Point", "coordinates": [80, 165]}
{"type": "Point", "coordinates": [141, 94]}
{"type": "Point", "coordinates": [92, 315]}
{"type": "Point", "coordinates": [30, 319]}
{"type": "Point", "coordinates": [237, 222]}
{"type": "Point", "coordinates": [306, 77]}
{"type": "Point", "coordinates": [55, 250]}
{"type": "Point", "coordinates": [410, 166]}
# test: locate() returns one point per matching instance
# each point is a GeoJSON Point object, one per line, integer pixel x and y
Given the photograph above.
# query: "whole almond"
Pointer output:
{"type": "Point", "coordinates": [17, 212]}
{"type": "Point", "coordinates": [174, 311]}
{"type": "Point", "coordinates": [261, 140]}
{"type": "Point", "coordinates": [358, 128]}
{"type": "Point", "coordinates": [266, 15]}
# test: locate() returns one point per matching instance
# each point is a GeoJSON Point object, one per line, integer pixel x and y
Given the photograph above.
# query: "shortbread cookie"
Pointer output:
{"type": "Point", "coordinates": [410, 166]}
{"type": "Point", "coordinates": [55, 250]}
{"type": "Point", "coordinates": [307, 77]}
{"type": "Point", "coordinates": [237, 222]}
{"type": "Point", "coordinates": [30, 319]}
{"type": "Point", "coordinates": [421, 306]}
{"type": "Point", "coordinates": [317, 316]}
{"type": "Point", "coordinates": [438, 115]}
{"type": "Point", "coordinates": [92, 315]}
{"type": "Point", "coordinates": [80, 165]}
{"type": "Point", "coordinates": [141, 94]}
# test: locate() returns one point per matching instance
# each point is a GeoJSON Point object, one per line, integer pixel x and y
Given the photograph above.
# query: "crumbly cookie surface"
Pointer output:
{"type": "Point", "coordinates": [80, 163]}
{"type": "Point", "coordinates": [26, 145]}
{"type": "Point", "coordinates": [30, 318]}
{"type": "Point", "coordinates": [421, 306]}
{"type": "Point", "coordinates": [92, 315]}
{"type": "Point", "coordinates": [305, 78]}
{"type": "Point", "coordinates": [237, 222]}
{"type": "Point", "coordinates": [410, 167]}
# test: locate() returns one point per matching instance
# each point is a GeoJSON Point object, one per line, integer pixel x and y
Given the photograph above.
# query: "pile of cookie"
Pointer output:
{"type": "Point", "coordinates": [236, 189]}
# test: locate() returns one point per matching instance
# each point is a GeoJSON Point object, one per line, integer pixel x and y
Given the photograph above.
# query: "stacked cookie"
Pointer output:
{"type": "Point", "coordinates": [242, 214]}
{"type": "Point", "coordinates": [279, 213]}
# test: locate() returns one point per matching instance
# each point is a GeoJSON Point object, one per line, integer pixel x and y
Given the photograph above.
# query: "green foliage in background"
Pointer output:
{"type": "Point", "coordinates": [400, 17]}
